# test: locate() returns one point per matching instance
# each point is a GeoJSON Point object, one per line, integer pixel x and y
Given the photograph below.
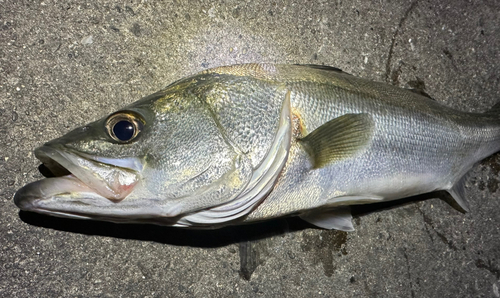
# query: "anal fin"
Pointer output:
{"type": "Point", "coordinates": [458, 193]}
{"type": "Point", "coordinates": [338, 218]}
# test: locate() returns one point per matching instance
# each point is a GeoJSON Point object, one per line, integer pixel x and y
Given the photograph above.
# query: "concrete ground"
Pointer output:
{"type": "Point", "coordinates": [64, 64]}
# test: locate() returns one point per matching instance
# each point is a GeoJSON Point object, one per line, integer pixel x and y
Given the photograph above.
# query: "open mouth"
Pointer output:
{"type": "Point", "coordinates": [77, 179]}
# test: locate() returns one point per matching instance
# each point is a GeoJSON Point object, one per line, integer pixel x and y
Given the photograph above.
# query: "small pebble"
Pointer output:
{"type": "Point", "coordinates": [87, 40]}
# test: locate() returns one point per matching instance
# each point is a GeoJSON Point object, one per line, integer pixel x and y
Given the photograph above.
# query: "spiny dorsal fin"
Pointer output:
{"type": "Point", "coordinates": [421, 92]}
{"type": "Point", "coordinates": [322, 67]}
{"type": "Point", "coordinates": [339, 138]}
{"type": "Point", "coordinates": [495, 110]}
{"type": "Point", "coordinates": [418, 87]}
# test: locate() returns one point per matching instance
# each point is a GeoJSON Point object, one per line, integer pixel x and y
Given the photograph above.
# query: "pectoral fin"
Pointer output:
{"type": "Point", "coordinates": [339, 138]}
{"type": "Point", "coordinates": [338, 219]}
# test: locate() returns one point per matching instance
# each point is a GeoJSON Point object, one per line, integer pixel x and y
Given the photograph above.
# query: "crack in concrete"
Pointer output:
{"type": "Point", "coordinates": [409, 272]}
{"type": "Point", "coordinates": [391, 49]}
{"type": "Point", "coordinates": [441, 236]}
{"type": "Point", "coordinates": [488, 266]}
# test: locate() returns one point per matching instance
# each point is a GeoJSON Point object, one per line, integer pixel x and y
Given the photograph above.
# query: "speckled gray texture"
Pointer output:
{"type": "Point", "coordinates": [66, 64]}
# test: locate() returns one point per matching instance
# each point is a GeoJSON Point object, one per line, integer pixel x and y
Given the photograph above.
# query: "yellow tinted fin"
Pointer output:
{"type": "Point", "coordinates": [338, 139]}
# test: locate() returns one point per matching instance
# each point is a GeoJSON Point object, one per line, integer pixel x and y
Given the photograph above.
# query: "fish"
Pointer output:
{"type": "Point", "coordinates": [246, 143]}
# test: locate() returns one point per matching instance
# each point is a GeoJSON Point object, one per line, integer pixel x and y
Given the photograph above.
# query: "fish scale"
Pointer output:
{"type": "Point", "coordinates": [246, 143]}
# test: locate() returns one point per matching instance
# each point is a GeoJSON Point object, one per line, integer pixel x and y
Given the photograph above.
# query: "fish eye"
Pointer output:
{"type": "Point", "coordinates": [123, 130]}
{"type": "Point", "coordinates": [124, 127]}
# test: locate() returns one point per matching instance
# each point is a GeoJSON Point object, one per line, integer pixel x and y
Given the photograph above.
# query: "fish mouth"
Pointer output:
{"type": "Point", "coordinates": [79, 180]}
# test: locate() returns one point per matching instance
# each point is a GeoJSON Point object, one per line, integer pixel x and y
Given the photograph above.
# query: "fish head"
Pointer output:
{"type": "Point", "coordinates": [159, 158]}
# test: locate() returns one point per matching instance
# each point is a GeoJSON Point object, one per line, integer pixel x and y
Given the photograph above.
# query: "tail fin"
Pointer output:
{"type": "Point", "coordinates": [490, 140]}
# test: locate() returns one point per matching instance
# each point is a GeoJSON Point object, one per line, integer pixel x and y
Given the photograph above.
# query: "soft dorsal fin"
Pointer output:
{"type": "Point", "coordinates": [339, 138]}
{"type": "Point", "coordinates": [338, 219]}
{"type": "Point", "coordinates": [322, 67]}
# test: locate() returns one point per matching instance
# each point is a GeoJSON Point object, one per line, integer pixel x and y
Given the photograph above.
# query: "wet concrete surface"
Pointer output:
{"type": "Point", "coordinates": [64, 64]}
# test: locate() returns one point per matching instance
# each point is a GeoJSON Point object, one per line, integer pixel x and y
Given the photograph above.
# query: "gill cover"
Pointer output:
{"type": "Point", "coordinates": [262, 181]}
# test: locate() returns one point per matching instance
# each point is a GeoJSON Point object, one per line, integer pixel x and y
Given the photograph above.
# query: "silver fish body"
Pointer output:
{"type": "Point", "coordinates": [251, 142]}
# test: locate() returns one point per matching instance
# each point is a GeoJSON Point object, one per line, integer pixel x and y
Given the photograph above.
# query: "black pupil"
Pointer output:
{"type": "Point", "coordinates": [123, 130]}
